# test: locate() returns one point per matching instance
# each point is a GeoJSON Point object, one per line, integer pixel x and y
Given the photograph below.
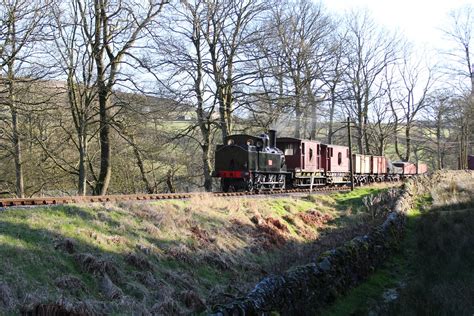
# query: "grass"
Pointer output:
{"type": "Point", "coordinates": [354, 198]}
{"type": "Point", "coordinates": [361, 299]}
{"type": "Point", "coordinates": [432, 274]}
{"type": "Point", "coordinates": [153, 252]}
{"type": "Point", "coordinates": [442, 261]}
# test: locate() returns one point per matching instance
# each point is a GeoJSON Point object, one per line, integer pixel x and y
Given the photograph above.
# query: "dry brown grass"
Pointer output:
{"type": "Point", "coordinates": [165, 257]}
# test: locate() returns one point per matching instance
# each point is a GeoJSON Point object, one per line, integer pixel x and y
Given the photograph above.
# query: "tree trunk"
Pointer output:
{"type": "Point", "coordinates": [81, 187]}
{"type": "Point", "coordinates": [366, 135]}
{"type": "Point", "coordinates": [297, 120]}
{"type": "Point", "coordinates": [438, 144]}
{"type": "Point", "coordinates": [148, 187]}
{"type": "Point", "coordinates": [207, 168]}
{"type": "Point", "coordinates": [408, 143]}
{"type": "Point", "coordinates": [360, 134]}
{"type": "Point", "coordinates": [170, 182]}
{"type": "Point", "coordinates": [331, 116]}
{"type": "Point", "coordinates": [20, 191]}
{"type": "Point", "coordinates": [222, 119]}
{"type": "Point", "coordinates": [312, 134]}
{"type": "Point", "coordinates": [105, 149]}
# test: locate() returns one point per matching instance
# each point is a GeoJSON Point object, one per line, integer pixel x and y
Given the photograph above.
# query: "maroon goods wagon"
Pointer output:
{"type": "Point", "coordinates": [470, 162]}
{"type": "Point", "coordinates": [303, 160]}
{"type": "Point", "coordinates": [335, 162]}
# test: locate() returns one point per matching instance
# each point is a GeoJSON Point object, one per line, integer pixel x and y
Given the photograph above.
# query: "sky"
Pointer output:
{"type": "Point", "coordinates": [419, 20]}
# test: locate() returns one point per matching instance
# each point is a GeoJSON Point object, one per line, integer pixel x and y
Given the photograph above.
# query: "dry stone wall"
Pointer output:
{"type": "Point", "coordinates": [305, 289]}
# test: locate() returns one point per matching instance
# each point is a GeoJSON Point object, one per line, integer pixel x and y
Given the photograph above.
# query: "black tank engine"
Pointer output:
{"type": "Point", "coordinates": [250, 163]}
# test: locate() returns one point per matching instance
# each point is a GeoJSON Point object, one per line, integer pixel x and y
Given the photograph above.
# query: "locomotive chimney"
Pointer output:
{"type": "Point", "coordinates": [272, 136]}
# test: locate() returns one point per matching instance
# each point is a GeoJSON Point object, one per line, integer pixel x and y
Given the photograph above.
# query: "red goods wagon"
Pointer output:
{"type": "Point", "coordinates": [303, 160]}
{"type": "Point", "coordinates": [378, 165]}
{"type": "Point", "coordinates": [300, 154]}
{"type": "Point", "coordinates": [470, 162]}
{"type": "Point", "coordinates": [335, 161]}
{"type": "Point", "coordinates": [422, 168]}
{"type": "Point", "coordinates": [361, 164]}
{"type": "Point", "coordinates": [410, 169]}
{"type": "Point", "coordinates": [335, 158]}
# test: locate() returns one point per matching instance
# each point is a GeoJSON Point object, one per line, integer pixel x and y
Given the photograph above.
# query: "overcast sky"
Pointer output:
{"type": "Point", "coordinates": [419, 20]}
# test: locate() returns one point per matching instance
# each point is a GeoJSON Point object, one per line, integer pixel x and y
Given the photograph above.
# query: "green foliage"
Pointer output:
{"type": "Point", "coordinates": [354, 198]}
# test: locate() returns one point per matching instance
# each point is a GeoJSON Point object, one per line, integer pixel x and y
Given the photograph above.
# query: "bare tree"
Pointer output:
{"type": "Point", "coordinates": [76, 63]}
{"type": "Point", "coordinates": [370, 49]}
{"type": "Point", "coordinates": [333, 77]}
{"type": "Point", "coordinates": [408, 97]}
{"type": "Point", "coordinates": [21, 24]}
{"type": "Point", "coordinates": [438, 115]}
{"type": "Point", "coordinates": [110, 31]}
{"type": "Point", "coordinates": [268, 100]}
{"type": "Point", "coordinates": [184, 60]}
{"type": "Point", "coordinates": [460, 32]}
{"type": "Point", "coordinates": [227, 31]}
{"type": "Point", "coordinates": [382, 127]}
{"type": "Point", "coordinates": [299, 37]}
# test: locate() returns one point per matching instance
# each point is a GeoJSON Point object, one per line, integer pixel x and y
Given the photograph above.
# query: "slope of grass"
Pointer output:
{"type": "Point", "coordinates": [441, 281]}
{"type": "Point", "coordinates": [432, 274]}
{"type": "Point", "coordinates": [163, 257]}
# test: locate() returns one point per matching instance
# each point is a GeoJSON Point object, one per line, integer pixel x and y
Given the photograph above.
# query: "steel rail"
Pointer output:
{"type": "Point", "coordinates": [37, 201]}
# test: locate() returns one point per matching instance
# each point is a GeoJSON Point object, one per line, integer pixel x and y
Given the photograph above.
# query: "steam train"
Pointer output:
{"type": "Point", "coordinates": [265, 162]}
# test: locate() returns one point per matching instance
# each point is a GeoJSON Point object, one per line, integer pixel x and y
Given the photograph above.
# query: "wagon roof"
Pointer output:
{"type": "Point", "coordinates": [332, 145]}
{"type": "Point", "coordinates": [296, 140]}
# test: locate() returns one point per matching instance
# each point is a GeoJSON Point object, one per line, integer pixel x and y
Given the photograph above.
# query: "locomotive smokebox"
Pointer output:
{"type": "Point", "coordinates": [272, 136]}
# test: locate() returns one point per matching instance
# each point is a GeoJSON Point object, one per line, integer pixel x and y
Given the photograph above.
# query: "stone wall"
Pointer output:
{"type": "Point", "coordinates": [305, 289]}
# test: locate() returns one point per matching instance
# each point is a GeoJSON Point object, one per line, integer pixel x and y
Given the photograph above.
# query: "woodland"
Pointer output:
{"type": "Point", "coordinates": [128, 96]}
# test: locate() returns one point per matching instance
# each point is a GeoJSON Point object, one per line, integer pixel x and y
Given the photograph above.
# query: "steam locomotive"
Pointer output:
{"type": "Point", "coordinates": [265, 162]}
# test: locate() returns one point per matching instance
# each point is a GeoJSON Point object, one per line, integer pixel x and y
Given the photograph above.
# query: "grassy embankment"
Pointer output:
{"type": "Point", "coordinates": [433, 273]}
{"type": "Point", "coordinates": [167, 256]}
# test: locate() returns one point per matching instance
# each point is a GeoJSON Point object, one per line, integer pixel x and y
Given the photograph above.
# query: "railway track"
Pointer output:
{"type": "Point", "coordinates": [37, 201]}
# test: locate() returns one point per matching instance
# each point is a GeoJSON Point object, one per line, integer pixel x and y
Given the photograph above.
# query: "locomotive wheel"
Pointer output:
{"type": "Point", "coordinates": [250, 185]}
{"type": "Point", "coordinates": [272, 178]}
{"type": "Point", "coordinates": [259, 179]}
{"type": "Point", "coordinates": [282, 180]}
{"type": "Point", "coordinates": [225, 186]}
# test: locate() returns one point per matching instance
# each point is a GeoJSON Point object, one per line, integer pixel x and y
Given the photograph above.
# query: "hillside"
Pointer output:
{"type": "Point", "coordinates": [167, 257]}
{"type": "Point", "coordinates": [432, 274]}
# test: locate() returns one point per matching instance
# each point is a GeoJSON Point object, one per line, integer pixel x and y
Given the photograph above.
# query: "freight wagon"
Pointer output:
{"type": "Point", "coordinates": [409, 169]}
{"type": "Point", "coordinates": [303, 161]}
{"type": "Point", "coordinates": [335, 161]}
